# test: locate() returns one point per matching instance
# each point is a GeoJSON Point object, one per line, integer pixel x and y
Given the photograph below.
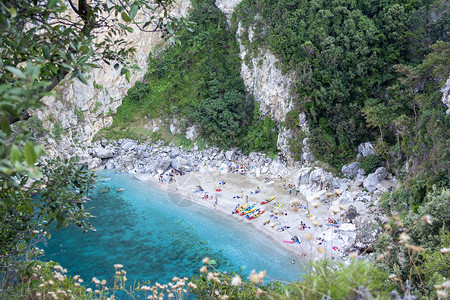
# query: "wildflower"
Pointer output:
{"type": "Point", "coordinates": [50, 282]}
{"type": "Point", "coordinates": [210, 276]}
{"type": "Point", "coordinates": [341, 207]}
{"type": "Point", "coordinates": [320, 250]}
{"type": "Point", "coordinates": [442, 294]}
{"type": "Point", "coordinates": [445, 250]}
{"type": "Point", "coordinates": [123, 272]}
{"type": "Point", "coordinates": [76, 277]}
{"type": "Point", "coordinates": [259, 292]}
{"type": "Point", "coordinates": [403, 238]}
{"type": "Point", "coordinates": [80, 280]}
{"type": "Point", "coordinates": [118, 266]}
{"type": "Point", "coordinates": [354, 255]}
{"type": "Point", "coordinates": [97, 291]}
{"type": "Point", "coordinates": [175, 279]}
{"type": "Point", "coordinates": [315, 222]}
{"type": "Point", "coordinates": [203, 269]}
{"type": "Point", "coordinates": [192, 285]}
{"type": "Point", "coordinates": [257, 277]}
{"type": "Point", "coordinates": [42, 284]}
{"type": "Point", "coordinates": [329, 195]}
{"type": "Point", "coordinates": [309, 236]}
{"type": "Point", "coordinates": [77, 284]}
{"type": "Point", "coordinates": [117, 273]}
{"type": "Point", "coordinates": [414, 248]}
{"type": "Point", "coordinates": [236, 280]}
{"type": "Point", "coordinates": [89, 290]}
{"type": "Point", "coordinates": [399, 223]}
{"type": "Point", "coordinates": [96, 281]}
{"type": "Point", "coordinates": [387, 227]}
{"type": "Point", "coordinates": [224, 297]}
{"type": "Point", "coordinates": [169, 295]}
{"type": "Point", "coordinates": [315, 204]}
{"type": "Point", "coordinates": [427, 219]}
{"type": "Point", "coordinates": [145, 288]}
{"type": "Point", "coordinates": [38, 294]}
{"type": "Point", "coordinates": [335, 211]}
{"type": "Point", "coordinates": [59, 268]}
{"type": "Point", "coordinates": [205, 260]}
{"type": "Point", "coordinates": [393, 277]}
{"type": "Point", "coordinates": [103, 282]}
{"type": "Point", "coordinates": [446, 285]}
{"type": "Point", "coordinates": [216, 292]}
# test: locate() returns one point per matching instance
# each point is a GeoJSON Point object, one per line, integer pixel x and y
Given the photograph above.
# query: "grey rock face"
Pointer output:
{"type": "Point", "coordinates": [192, 133]}
{"type": "Point", "coordinates": [103, 152]}
{"type": "Point", "coordinates": [229, 154]}
{"type": "Point", "coordinates": [371, 182]}
{"type": "Point", "coordinates": [127, 146]}
{"type": "Point", "coordinates": [373, 179]}
{"type": "Point", "coordinates": [162, 165]}
{"type": "Point", "coordinates": [365, 149]}
{"type": "Point", "coordinates": [95, 164]}
{"type": "Point", "coordinates": [181, 164]}
{"type": "Point", "coordinates": [381, 173]}
{"type": "Point", "coordinates": [351, 170]}
{"type": "Point", "coordinates": [350, 214]}
{"type": "Point", "coordinates": [367, 231]}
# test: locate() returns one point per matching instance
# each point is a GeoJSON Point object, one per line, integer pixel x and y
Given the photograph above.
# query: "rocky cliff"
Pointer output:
{"type": "Point", "coordinates": [80, 110]}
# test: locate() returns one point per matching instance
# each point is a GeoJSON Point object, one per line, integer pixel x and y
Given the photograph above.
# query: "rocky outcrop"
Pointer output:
{"type": "Point", "coordinates": [446, 95]}
{"type": "Point", "coordinates": [79, 111]}
{"type": "Point", "coordinates": [227, 7]}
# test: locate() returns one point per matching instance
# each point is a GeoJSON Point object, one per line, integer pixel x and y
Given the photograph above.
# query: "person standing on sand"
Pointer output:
{"type": "Point", "coordinates": [246, 199]}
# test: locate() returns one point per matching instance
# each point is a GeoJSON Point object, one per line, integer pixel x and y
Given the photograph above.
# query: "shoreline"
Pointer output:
{"type": "Point", "coordinates": [236, 183]}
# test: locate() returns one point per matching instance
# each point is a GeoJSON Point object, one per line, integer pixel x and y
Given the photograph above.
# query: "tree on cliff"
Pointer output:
{"type": "Point", "coordinates": [41, 43]}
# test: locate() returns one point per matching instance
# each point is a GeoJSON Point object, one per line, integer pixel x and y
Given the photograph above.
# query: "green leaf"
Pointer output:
{"type": "Point", "coordinates": [13, 12]}
{"type": "Point", "coordinates": [15, 155]}
{"type": "Point", "coordinates": [82, 78]}
{"type": "Point", "coordinates": [46, 52]}
{"type": "Point", "coordinates": [126, 17]}
{"type": "Point", "coordinates": [51, 3]}
{"type": "Point", "coordinates": [133, 11]}
{"type": "Point", "coordinates": [16, 72]}
{"type": "Point", "coordinates": [60, 222]}
{"type": "Point", "coordinates": [6, 128]}
{"type": "Point", "coordinates": [30, 154]}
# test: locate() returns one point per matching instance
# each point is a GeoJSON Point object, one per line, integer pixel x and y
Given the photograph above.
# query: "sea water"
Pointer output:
{"type": "Point", "coordinates": [156, 236]}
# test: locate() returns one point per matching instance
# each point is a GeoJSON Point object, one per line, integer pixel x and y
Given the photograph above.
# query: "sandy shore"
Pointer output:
{"type": "Point", "coordinates": [282, 216]}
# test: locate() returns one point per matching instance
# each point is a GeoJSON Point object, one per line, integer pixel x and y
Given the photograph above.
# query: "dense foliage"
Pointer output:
{"type": "Point", "coordinates": [343, 54]}
{"type": "Point", "coordinates": [199, 83]}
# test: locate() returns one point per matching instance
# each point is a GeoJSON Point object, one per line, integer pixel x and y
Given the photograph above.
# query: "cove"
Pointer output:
{"type": "Point", "coordinates": [157, 236]}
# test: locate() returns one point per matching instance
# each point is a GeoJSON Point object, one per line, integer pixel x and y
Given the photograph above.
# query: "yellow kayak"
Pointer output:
{"type": "Point", "coordinates": [268, 200]}
{"type": "Point", "coordinates": [239, 209]}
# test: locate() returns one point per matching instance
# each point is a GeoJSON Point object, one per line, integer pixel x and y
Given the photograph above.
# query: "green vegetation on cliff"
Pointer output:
{"type": "Point", "coordinates": [347, 57]}
{"type": "Point", "coordinates": [198, 82]}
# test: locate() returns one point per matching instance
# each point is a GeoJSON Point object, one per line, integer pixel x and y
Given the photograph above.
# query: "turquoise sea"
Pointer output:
{"type": "Point", "coordinates": [157, 236]}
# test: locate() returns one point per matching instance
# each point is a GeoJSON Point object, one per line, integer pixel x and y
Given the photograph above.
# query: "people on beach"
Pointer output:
{"type": "Point", "coordinates": [121, 189]}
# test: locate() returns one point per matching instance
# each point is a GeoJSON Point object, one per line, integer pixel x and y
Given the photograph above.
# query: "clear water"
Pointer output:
{"type": "Point", "coordinates": [161, 237]}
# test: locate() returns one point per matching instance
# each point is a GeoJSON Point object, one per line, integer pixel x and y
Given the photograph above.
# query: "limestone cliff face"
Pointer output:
{"type": "Point", "coordinates": [446, 95]}
{"type": "Point", "coordinates": [269, 86]}
{"type": "Point", "coordinates": [82, 110]}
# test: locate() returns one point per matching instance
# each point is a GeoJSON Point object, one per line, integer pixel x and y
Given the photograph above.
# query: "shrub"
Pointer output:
{"type": "Point", "coordinates": [369, 163]}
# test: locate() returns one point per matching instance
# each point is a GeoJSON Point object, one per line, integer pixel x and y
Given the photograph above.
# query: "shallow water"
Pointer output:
{"type": "Point", "coordinates": [157, 236]}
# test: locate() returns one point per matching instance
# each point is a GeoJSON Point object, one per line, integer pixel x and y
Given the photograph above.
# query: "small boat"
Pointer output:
{"type": "Point", "coordinates": [249, 215]}
{"type": "Point", "coordinates": [268, 200]}
{"type": "Point", "coordinates": [243, 212]}
{"type": "Point", "coordinates": [248, 211]}
{"type": "Point", "coordinates": [239, 209]}
{"type": "Point", "coordinates": [254, 216]}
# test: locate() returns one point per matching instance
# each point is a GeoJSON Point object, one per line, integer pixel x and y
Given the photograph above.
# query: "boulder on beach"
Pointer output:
{"type": "Point", "coordinates": [181, 164]}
